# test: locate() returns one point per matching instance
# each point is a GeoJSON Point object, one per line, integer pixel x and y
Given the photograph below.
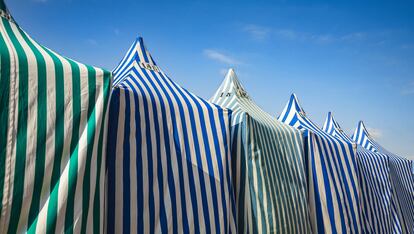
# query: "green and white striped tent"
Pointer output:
{"type": "Point", "coordinates": [52, 117]}
{"type": "Point", "coordinates": [267, 166]}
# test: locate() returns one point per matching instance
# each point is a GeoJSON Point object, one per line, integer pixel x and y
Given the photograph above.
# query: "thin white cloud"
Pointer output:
{"type": "Point", "coordinates": [257, 32]}
{"type": "Point", "coordinates": [261, 32]}
{"type": "Point", "coordinates": [91, 42]}
{"type": "Point", "coordinates": [407, 46]}
{"type": "Point", "coordinates": [355, 36]}
{"type": "Point", "coordinates": [289, 34]}
{"type": "Point", "coordinates": [40, 1]}
{"type": "Point", "coordinates": [408, 89]}
{"type": "Point", "coordinates": [375, 132]}
{"type": "Point", "coordinates": [220, 57]}
{"type": "Point", "coordinates": [117, 31]}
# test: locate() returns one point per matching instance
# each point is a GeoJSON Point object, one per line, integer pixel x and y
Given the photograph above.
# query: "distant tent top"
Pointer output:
{"type": "Point", "coordinates": [333, 182]}
{"type": "Point", "coordinates": [267, 165]}
{"type": "Point", "coordinates": [168, 154]}
{"type": "Point", "coordinates": [51, 137]}
{"type": "Point", "coordinates": [332, 127]}
{"type": "Point", "coordinates": [363, 138]}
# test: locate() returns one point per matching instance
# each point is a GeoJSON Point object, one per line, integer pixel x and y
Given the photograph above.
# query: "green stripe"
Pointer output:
{"type": "Point", "coordinates": [2, 5]}
{"type": "Point", "coordinates": [18, 184]}
{"type": "Point", "coordinates": [97, 203]}
{"type": "Point", "coordinates": [41, 133]}
{"type": "Point", "coordinates": [91, 136]}
{"type": "Point", "coordinates": [73, 161]}
{"type": "Point", "coordinates": [4, 107]}
{"type": "Point", "coordinates": [59, 143]}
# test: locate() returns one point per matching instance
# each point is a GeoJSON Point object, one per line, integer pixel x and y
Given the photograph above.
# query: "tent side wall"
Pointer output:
{"type": "Point", "coordinates": [376, 197]}
{"type": "Point", "coordinates": [53, 119]}
{"type": "Point", "coordinates": [376, 193]}
{"type": "Point", "coordinates": [333, 182]}
{"type": "Point", "coordinates": [170, 155]}
{"type": "Point", "coordinates": [402, 179]}
{"type": "Point", "coordinates": [267, 165]}
{"type": "Point", "coordinates": [277, 185]}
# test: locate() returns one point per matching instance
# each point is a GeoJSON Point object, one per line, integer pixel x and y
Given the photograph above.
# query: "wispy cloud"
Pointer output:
{"type": "Point", "coordinates": [408, 89]}
{"type": "Point", "coordinates": [91, 42]}
{"type": "Point", "coordinates": [40, 1]}
{"type": "Point", "coordinates": [117, 31]}
{"type": "Point", "coordinates": [257, 32]}
{"type": "Point", "coordinates": [375, 132]}
{"type": "Point", "coordinates": [289, 34]}
{"type": "Point", "coordinates": [354, 36]}
{"type": "Point", "coordinates": [262, 32]}
{"type": "Point", "coordinates": [220, 57]}
{"type": "Point", "coordinates": [407, 46]}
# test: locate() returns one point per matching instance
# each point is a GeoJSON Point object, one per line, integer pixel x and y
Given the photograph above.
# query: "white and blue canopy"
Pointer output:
{"type": "Point", "coordinates": [401, 176]}
{"type": "Point", "coordinates": [168, 154]}
{"type": "Point", "coordinates": [267, 165]}
{"type": "Point", "coordinates": [377, 201]}
{"type": "Point", "coordinates": [332, 177]}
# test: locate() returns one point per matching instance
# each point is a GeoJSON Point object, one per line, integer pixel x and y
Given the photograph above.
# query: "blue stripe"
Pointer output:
{"type": "Point", "coordinates": [111, 157]}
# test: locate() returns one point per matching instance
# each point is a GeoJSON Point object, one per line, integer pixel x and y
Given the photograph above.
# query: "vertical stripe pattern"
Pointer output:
{"type": "Point", "coordinates": [401, 179]}
{"type": "Point", "coordinates": [267, 166]}
{"type": "Point", "coordinates": [52, 116]}
{"type": "Point", "coordinates": [168, 155]}
{"type": "Point", "coordinates": [332, 178]}
{"type": "Point", "coordinates": [378, 214]}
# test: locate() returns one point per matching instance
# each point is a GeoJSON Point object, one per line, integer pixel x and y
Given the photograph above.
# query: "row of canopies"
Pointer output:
{"type": "Point", "coordinates": [136, 153]}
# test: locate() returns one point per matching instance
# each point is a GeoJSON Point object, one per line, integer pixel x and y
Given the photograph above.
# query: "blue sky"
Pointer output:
{"type": "Point", "coordinates": [355, 58]}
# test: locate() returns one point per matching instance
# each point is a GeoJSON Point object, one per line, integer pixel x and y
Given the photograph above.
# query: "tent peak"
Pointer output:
{"type": "Point", "coordinates": [360, 130]}
{"type": "Point", "coordinates": [4, 12]}
{"type": "Point", "coordinates": [330, 117]}
{"type": "Point", "coordinates": [138, 53]}
{"type": "Point", "coordinates": [235, 83]}
{"type": "Point", "coordinates": [295, 104]}
{"type": "Point", "coordinates": [361, 125]}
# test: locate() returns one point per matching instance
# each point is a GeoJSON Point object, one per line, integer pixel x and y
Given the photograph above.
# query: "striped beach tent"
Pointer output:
{"type": "Point", "coordinates": [52, 121]}
{"type": "Point", "coordinates": [168, 154]}
{"type": "Point", "coordinates": [332, 178]}
{"type": "Point", "coordinates": [377, 199]}
{"type": "Point", "coordinates": [401, 176]}
{"type": "Point", "coordinates": [267, 166]}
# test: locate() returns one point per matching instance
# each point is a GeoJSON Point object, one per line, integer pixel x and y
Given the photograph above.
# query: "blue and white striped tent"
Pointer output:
{"type": "Point", "coordinates": [332, 177]}
{"type": "Point", "coordinates": [377, 199]}
{"type": "Point", "coordinates": [267, 165]}
{"type": "Point", "coordinates": [168, 154]}
{"type": "Point", "coordinates": [402, 178]}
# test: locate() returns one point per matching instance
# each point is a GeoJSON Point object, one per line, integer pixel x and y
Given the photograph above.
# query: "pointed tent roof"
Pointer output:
{"type": "Point", "coordinates": [294, 115]}
{"type": "Point", "coordinates": [332, 127]}
{"type": "Point", "coordinates": [231, 84]}
{"type": "Point", "coordinates": [137, 54]}
{"type": "Point", "coordinates": [241, 100]}
{"type": "Point", "coordinates": [362, 137]}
